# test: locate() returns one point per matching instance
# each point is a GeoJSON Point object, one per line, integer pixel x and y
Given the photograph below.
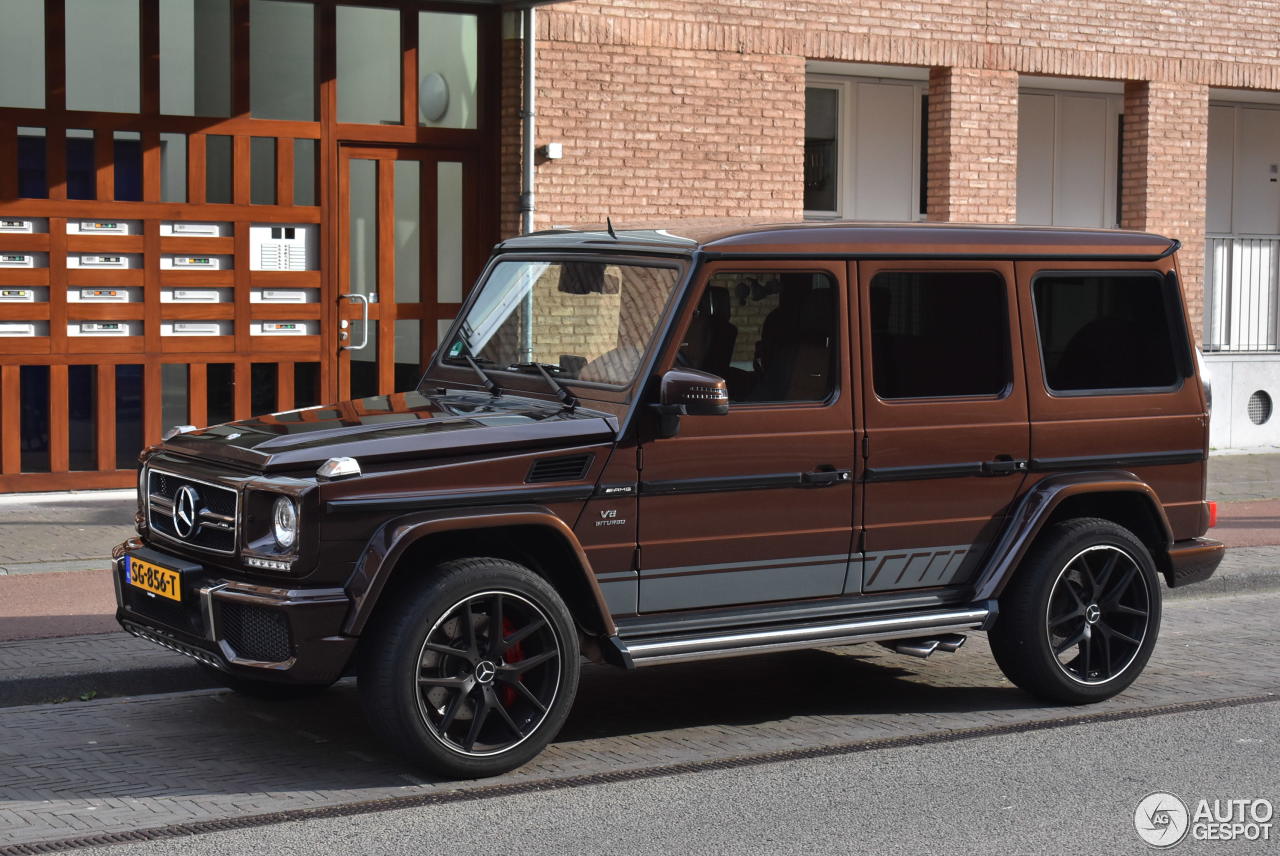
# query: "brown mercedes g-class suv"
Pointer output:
{"type": "Point", "coordinates": [647, 447]}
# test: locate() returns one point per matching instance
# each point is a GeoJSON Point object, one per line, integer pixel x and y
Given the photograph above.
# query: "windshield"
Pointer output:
{"type": "Point", "coordinates": [589, 321]}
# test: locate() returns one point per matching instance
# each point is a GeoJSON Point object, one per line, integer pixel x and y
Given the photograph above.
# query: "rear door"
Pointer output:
{"type": "Point", "coordinates": [946, 418]}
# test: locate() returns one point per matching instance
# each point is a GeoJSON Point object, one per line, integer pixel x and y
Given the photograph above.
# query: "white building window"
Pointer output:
{"type": "Point", "coordinates": [1242, 259]}
{"type": "Point", "coordinates": [1068, 156]}
{"type": "Point", "coordinates": [863, 144]}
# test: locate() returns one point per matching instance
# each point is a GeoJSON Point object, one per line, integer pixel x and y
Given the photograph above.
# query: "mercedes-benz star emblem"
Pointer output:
{"type": "Point", "coordinates": [485, 671]}
{"type": "Point", "coordinates": [185, 505]}
{"type": "Point", "coordinates": [1092, 613]}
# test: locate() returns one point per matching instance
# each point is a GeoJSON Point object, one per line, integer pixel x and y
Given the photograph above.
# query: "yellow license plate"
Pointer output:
{"type": "Point", "coordinates": [153, 578]}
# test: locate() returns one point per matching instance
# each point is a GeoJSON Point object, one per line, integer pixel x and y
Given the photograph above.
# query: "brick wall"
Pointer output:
{"type": "Point", "coordinates": [1233, 43]}
{"type": "Point", "coordinates": [973, 145]}
{"type": "Point", "coordinates": [669, 133]}
{"type": "Point", "coordinates": [1166, 132]}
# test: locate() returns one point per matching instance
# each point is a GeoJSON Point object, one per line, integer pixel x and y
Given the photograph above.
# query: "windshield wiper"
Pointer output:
{"type": "Point", "coordinates": [487, 381]}
{"type": "Point", "coordinates": [562, 392]}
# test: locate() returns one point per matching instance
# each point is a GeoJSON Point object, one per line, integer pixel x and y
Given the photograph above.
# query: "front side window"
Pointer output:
{"type": "Point", "coordinates": [772, 336]}
{"type": "Point", "coordinates": [935, 334]}
{"type": "Point", "coordinates": [1105, 332]}
{"type": "Point", "coordinates": [584, 320]}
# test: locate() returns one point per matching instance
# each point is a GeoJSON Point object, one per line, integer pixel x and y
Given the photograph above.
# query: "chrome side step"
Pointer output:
{"type": "Point", "coordinates": [937, 626]}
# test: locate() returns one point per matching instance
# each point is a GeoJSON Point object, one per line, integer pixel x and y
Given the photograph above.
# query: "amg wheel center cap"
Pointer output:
{"type": "Point", "coordinates": [1092, 614]}
{"type": "Point", "coordinates": [485, 672]}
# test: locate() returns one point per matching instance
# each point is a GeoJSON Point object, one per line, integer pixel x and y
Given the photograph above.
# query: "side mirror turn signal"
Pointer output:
{"type": "Point", "coordinates": [688, 392]}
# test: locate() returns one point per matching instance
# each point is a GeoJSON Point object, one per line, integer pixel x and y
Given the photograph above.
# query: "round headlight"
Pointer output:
{"type": "Point", "coordinates": [284, 522]}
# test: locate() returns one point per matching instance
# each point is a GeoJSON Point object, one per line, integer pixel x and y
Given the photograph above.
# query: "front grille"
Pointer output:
{"type": "Point", "coordinates": [211, 509]}
{"type": "Point", "coordinates": [255, 633]}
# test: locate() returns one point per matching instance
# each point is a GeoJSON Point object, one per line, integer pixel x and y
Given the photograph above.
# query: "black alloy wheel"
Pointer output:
{"type": "Point", "coordinates": [1098, 613]}
{"type": "Point", "coordinates": [1080, 618]}
{"type": "Point", "coordinates": [488, 673]}
{"type": "Point", "coordinates": [470, 670]}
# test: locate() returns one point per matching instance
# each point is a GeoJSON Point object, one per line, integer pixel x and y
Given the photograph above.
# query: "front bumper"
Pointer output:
{"type": "Point", "coordinates": [255, 631]}
{"type": "Point", "coordinates": [1193, 561]}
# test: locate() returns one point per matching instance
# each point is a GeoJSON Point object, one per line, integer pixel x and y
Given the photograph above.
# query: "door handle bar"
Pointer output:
{"type": "Point", "coordinates": [823, 478]}
{"type": "Point", "coordinates": [1003, 466]}
{"type": "Point", "coordinates": [364, 320]}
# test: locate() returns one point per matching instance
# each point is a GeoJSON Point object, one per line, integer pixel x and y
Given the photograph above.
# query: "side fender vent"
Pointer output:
{"type": "Point", "coordinates": [564, 468]}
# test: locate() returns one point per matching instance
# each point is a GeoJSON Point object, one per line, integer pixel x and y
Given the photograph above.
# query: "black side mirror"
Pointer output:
{"type": "Point", "coordinates": [688, 392]}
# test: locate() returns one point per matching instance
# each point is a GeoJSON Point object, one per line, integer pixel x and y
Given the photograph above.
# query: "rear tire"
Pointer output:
{"type": "Point", "coordinates": [472, 671]}
{"type": "Point", "coordinates": [1080, 618]}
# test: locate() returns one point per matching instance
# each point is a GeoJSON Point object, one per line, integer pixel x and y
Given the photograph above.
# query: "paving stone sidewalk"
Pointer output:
{"type": "Point", "coordinates": [135, 763]}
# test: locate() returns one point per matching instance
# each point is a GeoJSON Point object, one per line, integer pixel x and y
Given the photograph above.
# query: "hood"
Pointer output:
{"type": "Point", "coordinates": [389, 427]}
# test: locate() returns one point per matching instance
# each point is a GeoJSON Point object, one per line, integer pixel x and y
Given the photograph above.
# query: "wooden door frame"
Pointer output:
{"type": "Point", "coordinates": [428, 309]}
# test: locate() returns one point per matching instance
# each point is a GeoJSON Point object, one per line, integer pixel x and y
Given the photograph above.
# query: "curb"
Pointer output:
{"type": "Point", "coordinates": [58, 689]}
{"type": "Point", "coordinates": [18, 568]}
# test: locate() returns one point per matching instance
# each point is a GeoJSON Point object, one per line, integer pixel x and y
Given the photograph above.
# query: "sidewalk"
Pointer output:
{"type": "Point", "coordinates": [56, 591]}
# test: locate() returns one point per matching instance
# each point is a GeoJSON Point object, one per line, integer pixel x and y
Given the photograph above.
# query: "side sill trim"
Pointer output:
{"type": "Point", "coordinates": [763, 640]}
{"type": "Point", "coordinates": [428, 501]}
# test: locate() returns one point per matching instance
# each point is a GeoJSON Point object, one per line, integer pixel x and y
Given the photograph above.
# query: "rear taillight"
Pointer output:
{"type": "Point", "coordinates": [1213, 514]}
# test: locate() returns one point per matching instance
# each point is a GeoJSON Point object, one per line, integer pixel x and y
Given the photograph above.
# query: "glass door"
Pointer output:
{"type": "Point", "coordinates": [408, 229]}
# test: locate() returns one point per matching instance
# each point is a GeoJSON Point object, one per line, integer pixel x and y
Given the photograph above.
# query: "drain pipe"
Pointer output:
{"type": "Point", "coordinates": [528, 115]}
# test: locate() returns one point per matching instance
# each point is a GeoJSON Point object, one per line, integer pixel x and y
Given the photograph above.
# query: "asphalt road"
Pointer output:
{"type": "Point", "coordinates": [1069, 790]}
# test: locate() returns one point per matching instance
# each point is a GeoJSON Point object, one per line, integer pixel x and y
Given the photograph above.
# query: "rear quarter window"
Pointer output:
{"type": "Point", "coordinates": [1106, 332]}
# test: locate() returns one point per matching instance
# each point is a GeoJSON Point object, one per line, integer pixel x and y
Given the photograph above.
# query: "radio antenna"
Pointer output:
{"type": "Point", "coordinates": [609, 225]}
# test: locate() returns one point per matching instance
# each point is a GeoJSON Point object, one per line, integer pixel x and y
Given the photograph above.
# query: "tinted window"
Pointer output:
{"type": "Point", "coordinates": [771, 336]}
{"type": "Point", "coordinates": [939, 334]}
{"type": "Point", "coordinates": [1104, 332]}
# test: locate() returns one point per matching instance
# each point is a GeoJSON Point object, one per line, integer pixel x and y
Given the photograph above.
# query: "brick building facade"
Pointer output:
{"type": "Point", "coordinates": [677, 108]}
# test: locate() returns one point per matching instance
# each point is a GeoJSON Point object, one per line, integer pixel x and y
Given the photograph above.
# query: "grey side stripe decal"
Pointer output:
{"type": "Point", "coordinates": [887, 570]}
{"type": "Point", "coordinates": [742, 566]}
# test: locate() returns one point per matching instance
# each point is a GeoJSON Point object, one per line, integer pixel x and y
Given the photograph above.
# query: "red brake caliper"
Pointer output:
{"type": "Point", "coordinates": [514, 655]}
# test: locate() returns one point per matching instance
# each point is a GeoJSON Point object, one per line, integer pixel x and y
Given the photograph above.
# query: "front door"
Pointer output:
{"type": "Point", "coordinates": [756, 506]}
{"type": "Point", "coordinates": [946, 417]}
{"type": "Point", "coordinates": [409, 229]}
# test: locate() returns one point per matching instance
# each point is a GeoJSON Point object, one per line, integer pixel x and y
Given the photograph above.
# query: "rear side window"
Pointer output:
{"type": "Point", "coordinates": [1105, 332]}
{"type": "Point", "coordinates": [939, 334]}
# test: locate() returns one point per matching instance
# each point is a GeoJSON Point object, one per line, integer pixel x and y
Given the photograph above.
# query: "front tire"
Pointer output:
{"type": "Point", "coordinates": [473, 671]}
{"type": "Point", "coordinates": [1079, 621]}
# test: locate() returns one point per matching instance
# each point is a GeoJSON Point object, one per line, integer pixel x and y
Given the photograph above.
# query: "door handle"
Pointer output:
{"type": "Point", "coordinates": [824, 478]}
{"type": "Point", "coordinates": [1003, 465]}
{"type": "Point", "coordinates": [364, 321]}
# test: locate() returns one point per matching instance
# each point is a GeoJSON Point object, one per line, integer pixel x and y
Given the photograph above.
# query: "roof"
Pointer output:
{"type": "Point", "coordinates": [827, 238]}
